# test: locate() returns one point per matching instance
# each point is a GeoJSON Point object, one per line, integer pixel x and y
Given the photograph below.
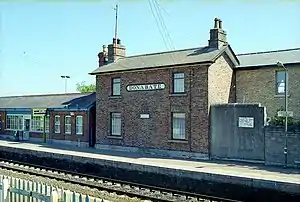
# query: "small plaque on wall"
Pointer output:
{"type": "Point", "coordinates": [246, 122]}
{"type": "Point", "coordinates": [144, 116]}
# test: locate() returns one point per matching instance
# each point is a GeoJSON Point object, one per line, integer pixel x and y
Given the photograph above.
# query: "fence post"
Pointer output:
{"type": "Point", "coordinates": [4, 191]}
{"type": "Point", "coordinates": [54, 196]}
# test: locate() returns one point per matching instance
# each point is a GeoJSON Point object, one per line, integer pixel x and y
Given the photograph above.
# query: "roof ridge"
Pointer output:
{"type": "Point", "coordinates": [172, 51]}
{"type": "Point", "coordinates": [272, 51]}
{"type": "Point", "coordinates": [44, 95]}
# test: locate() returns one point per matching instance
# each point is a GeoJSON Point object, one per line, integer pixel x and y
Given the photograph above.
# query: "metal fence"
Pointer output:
{"type": "Point", "coordinates": [18, 190]}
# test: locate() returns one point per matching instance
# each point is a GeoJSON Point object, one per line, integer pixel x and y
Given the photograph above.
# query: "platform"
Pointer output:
{"type": "Point", "coordinates": [251, 175]}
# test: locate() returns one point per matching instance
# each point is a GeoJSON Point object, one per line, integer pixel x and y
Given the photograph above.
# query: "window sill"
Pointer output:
{"type": "Point", "coordinates": [68, 134]}
{"type": "Point", "coordinates": [177, 94]}
{"type": "Point", "coordinates": [178, 141]}
{"type": "Point", "coordinates": [281, 96]}
{"type": "Point", "coordinates": [114, 137]}
{"type": "Point", "coordinates": [115, 97]}
{"type": "Point", "coordinates": [79, 134]}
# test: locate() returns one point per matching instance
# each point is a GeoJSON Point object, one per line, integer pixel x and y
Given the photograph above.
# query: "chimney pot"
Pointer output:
{"type": "Point", "coordinates": [104, 48]}
{"type": "Point", "coordinates": [216, 23]}
{"type": "Point", "coordinates": [118, 41]}
{"type": "Point", "coordinates": [114, 41]}
{"type": "Point", "coordinates": [220, 23]}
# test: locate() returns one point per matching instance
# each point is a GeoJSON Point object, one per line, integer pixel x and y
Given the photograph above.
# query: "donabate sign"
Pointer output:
{"type": "Point", "coordinates": [146, 87]}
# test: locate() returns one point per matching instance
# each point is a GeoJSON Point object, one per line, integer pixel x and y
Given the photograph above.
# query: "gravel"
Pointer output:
{"type": "Point", "coordinates": [108, 197]}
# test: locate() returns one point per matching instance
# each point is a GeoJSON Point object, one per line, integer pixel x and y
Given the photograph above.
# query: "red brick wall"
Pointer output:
{"type": "Point", "coordinates": [155, 132]}
{"type": "Point", "coordinates": [71, 137]}
{"type": "Point", "coordinates": [3, 121]}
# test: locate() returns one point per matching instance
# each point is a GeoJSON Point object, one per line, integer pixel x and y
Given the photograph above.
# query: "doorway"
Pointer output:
{"type": "Point", "coordinates": [26, 129]}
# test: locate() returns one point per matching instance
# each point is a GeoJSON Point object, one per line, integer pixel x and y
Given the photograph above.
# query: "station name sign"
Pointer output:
{"type": "Point", "coordinates": [39, 112]}
{"type": "Point", "coordinates": [146, 87]}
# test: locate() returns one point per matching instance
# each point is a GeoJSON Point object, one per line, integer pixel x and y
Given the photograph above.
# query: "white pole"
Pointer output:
{"type": "Point", "coordinates": [54, 196]}
{"type": "Point", "coordinates": [4, 189]}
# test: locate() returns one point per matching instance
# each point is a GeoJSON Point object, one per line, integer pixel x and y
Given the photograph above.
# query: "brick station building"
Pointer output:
{"type": "Point", "coordinates": [160, 101]}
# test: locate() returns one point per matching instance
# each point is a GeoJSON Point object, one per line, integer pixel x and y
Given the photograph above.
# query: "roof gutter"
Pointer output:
{"type": "Point", "coordinates": [267, 66]}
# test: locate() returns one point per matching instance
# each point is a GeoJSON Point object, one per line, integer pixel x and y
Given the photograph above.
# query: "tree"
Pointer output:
{"type": "Point", "coordinates": [84, 88]}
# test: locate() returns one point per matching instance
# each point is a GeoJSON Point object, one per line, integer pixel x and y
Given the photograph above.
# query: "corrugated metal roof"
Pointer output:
{"type": "Point", "coordinates": [81, 100]}
{"type": "Point", "coordinates": [186, 56]}
{"type": "Point", "coordinates": [288, 56]}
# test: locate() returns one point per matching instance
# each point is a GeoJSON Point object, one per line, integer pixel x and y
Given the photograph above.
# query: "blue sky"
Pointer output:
{"type": "Point", "coordinates": [41, 41]}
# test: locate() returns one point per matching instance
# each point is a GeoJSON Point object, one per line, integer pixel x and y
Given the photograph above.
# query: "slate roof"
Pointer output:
{"type": "Point", "coordinates": [73, 100]}
{"type": "Point", "coordinates": [288, 56]}
{"type": "Point", "coordinates": [165, 59]}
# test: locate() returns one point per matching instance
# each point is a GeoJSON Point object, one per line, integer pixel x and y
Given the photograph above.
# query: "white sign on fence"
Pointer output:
{"type": "Point", "coordinates": [246, 122]}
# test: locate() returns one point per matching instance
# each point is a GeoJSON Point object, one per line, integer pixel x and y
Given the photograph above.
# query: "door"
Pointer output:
{"type": "Point", "coordinates": [26, 129]}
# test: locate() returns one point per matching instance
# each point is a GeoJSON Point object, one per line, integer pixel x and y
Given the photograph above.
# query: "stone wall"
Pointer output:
{"type": "Point", "coordinates": [230, 139]}
{"type": "Point", "coordinates": [275, 143]}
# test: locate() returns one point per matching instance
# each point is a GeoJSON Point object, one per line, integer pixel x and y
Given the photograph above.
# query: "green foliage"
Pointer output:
{"type": "Point", "coordinates": [280, 121]}
{"type": "Point", "coordinates": [84, 88]}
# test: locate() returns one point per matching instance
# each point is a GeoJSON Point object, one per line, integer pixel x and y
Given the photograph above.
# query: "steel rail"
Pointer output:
{"type": "Point", "coordinates": [131, 189]}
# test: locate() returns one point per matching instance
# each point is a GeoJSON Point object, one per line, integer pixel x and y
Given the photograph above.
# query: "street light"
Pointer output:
{"type": "Point", "coordinates": [280, 64]}
{"type": "Point", "coordinates": [65, 78]}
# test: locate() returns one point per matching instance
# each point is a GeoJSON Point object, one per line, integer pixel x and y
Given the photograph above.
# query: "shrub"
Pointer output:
{"type": "Point", "coordinates": [280, 121]}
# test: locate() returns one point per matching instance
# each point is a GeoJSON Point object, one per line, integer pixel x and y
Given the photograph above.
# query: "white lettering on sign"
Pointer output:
{"type": "Point", "coordinates": [146, 87]}
{"type": "Point", "coordinates": [246, 122]}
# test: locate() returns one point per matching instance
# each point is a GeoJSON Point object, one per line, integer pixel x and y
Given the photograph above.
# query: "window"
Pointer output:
{"type": "Point", "coordinates": [178, 83]}
{"type": "Point", "coordinates": [37, 124]}
{"type": "Point", "coordinates": [116, 86]}
{"type": "Point", "coordinates": [115, 124]}
{"type": "Point", "coordinates": [178, 126]}
{"type": "Point", "coordinates": [14, 122]}
{"type": "Point", "coordinates": [57, 124]}
{"type": "Point", "coordinates": [67, 124]}
{"type": "Point", "coordinates": [280, 82]}
{"type": "Point", "coordinates": [79, 125]}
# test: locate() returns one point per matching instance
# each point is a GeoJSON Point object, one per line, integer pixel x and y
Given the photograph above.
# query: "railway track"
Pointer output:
{"type": "Point", "coordinates": [119, 187]}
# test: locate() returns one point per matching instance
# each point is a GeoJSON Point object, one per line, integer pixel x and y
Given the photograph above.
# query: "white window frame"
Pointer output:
{"type": "Point", "coordinates": [37, 124]}
{"type": "Point", "coordinates": [16, 121]}
{"type": "Point", "coordinates": [57, 124]}
{"type": "Point", "coordinates": [79, 126]}
{"type": "Point", "coordinates": [115, 124]}
{"type": "Point", "coordinates": [68, 125]}
{"type": "Point", "coordinates": [116, 86]}
{"type": "Point", "coordinates": [178, 82]}
{"type": "Point", "coordinates": [280, 85]}
{"type": "Point", "coordinates": [178, 128]}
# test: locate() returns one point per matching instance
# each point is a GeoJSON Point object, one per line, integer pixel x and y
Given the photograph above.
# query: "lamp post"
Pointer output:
{"type": "Point", "coordinates": [280, 64]}
{"type": "Point", "coordinates": [65, 78]}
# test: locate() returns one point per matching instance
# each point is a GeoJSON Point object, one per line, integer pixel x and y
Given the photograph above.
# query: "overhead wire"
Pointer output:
{"type": "Point", "coordinates": [167, 35]}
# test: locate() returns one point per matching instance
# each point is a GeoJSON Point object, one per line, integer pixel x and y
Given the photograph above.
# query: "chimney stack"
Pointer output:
{"type": "Point", "coordinates": [116, 50]}
{"type": "Point", "coordinates": [111, 53]}
{"type": "Point", "coordinates": [217, 35]}
{"type": "Point", "coordinates": [103, 59]}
